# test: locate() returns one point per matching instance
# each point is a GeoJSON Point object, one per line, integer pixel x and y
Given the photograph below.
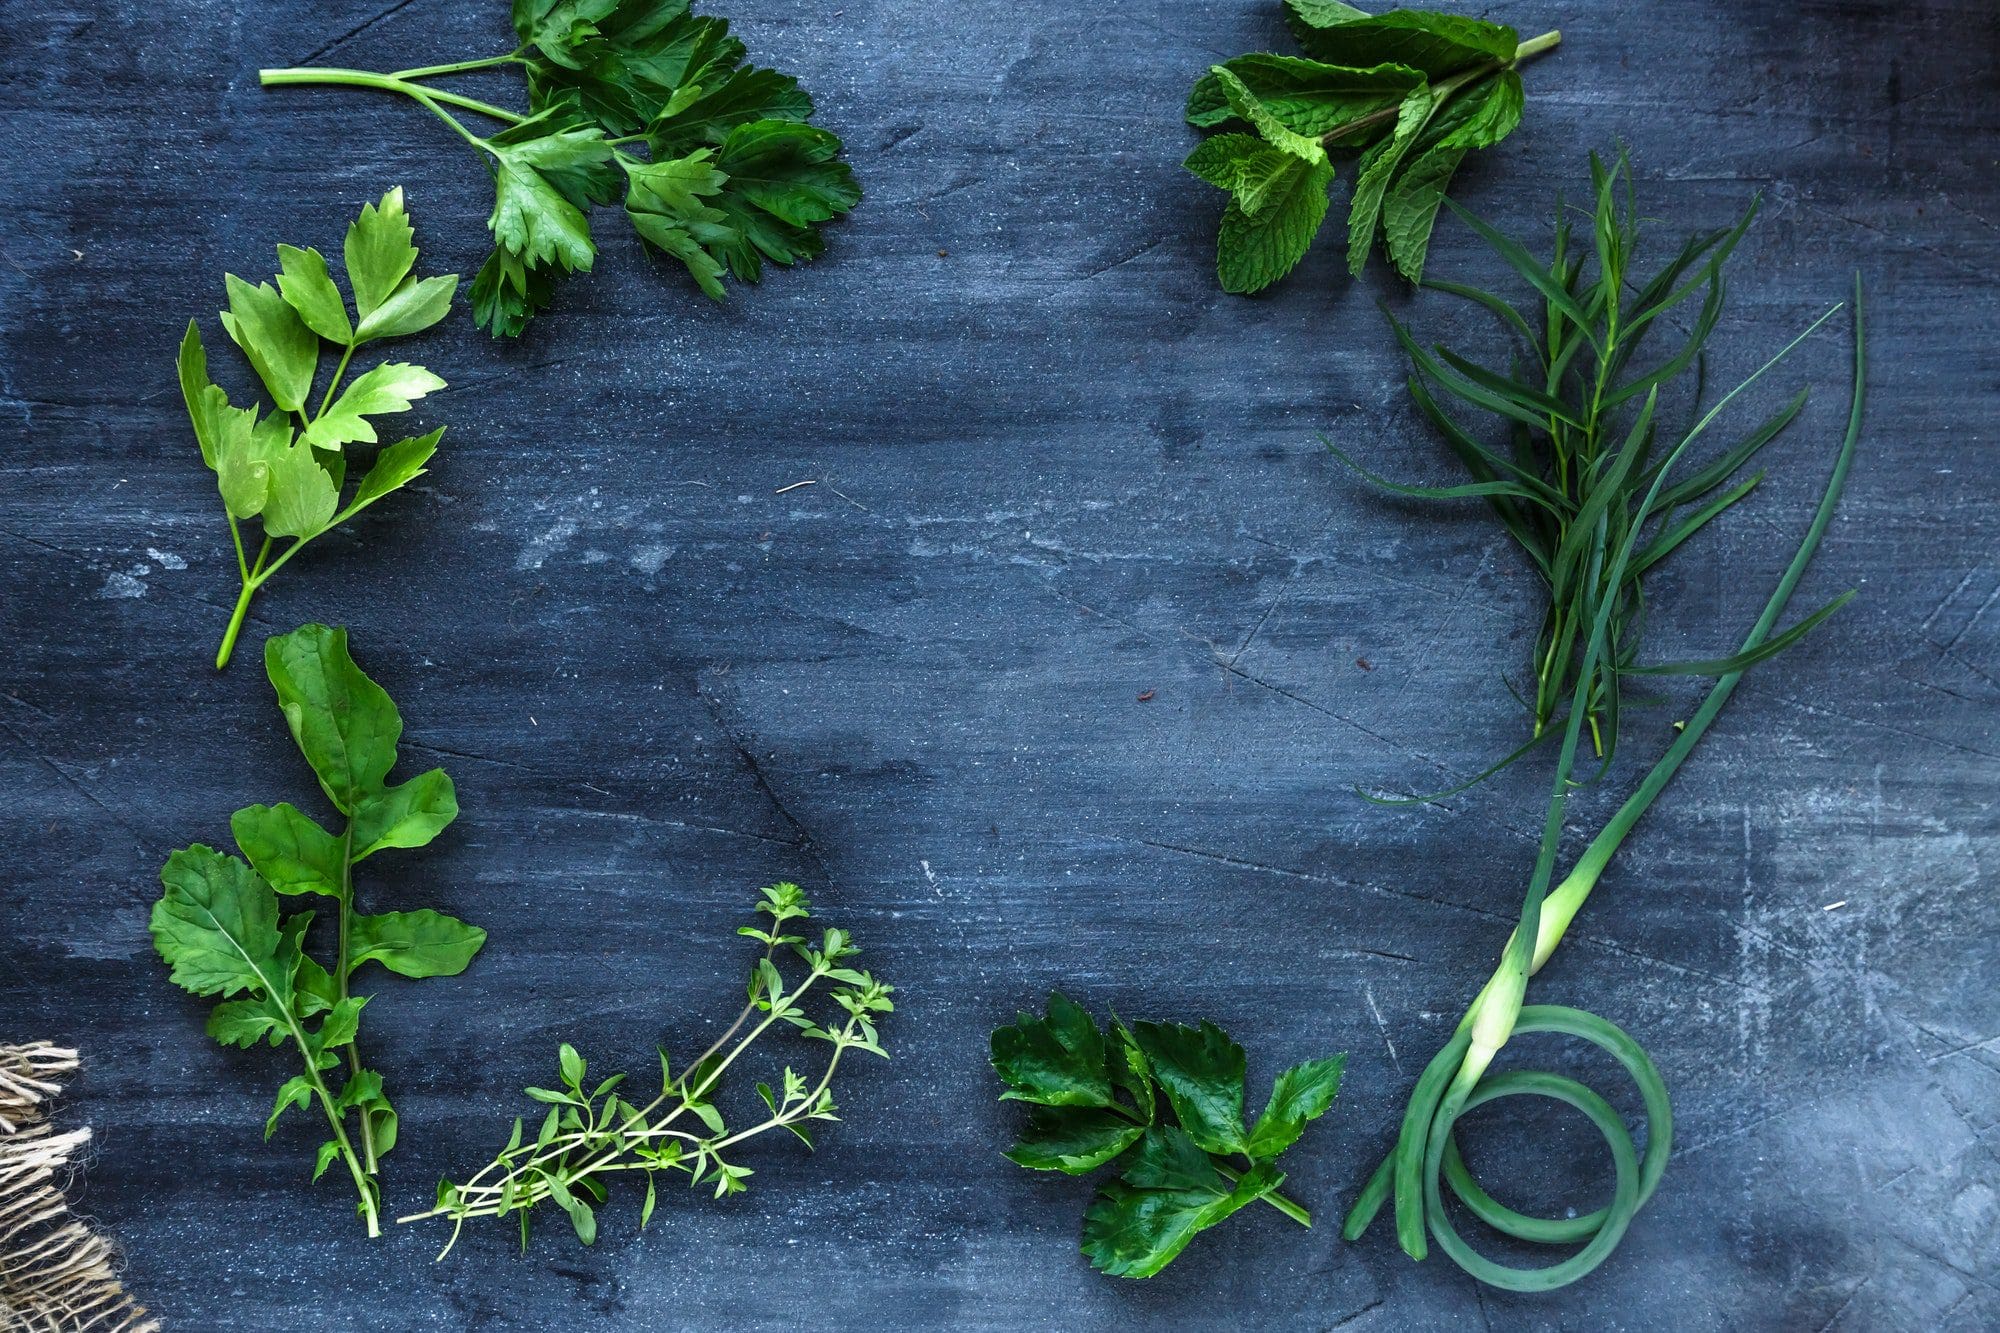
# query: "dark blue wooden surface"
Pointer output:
{"type": "Point", "coordinates": [1056, 470]}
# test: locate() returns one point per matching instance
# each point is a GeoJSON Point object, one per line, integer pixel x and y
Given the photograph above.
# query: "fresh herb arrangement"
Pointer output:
{"type": "Point", "coordinates": [1164, 1103]}
{"type": "Point", "coordinates": [1584, 314]}
{"type": "Point", "coordinates": [731, 174]}
{"type": "Point", "coordinates": [288, 466]}
{"type": "Point", "coordinates": [590, 1134]}
{"type": "Point", "coordinates": [1412, 92]}
{"type": "Point", "coordinates": [218, 925]}
{"type": "Point", "coordinates": [1581, 422]}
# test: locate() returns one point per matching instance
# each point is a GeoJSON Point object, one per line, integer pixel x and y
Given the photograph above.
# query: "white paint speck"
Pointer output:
{"type": "Point", "coordinates": [166, 559]}
{"type": "Point", "coordinates": [539, 549]}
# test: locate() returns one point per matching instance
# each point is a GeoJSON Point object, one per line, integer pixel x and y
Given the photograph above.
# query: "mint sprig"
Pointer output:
{"type": "Point", "coordinates": [1410, 91]}
{"type": "Point", "coordinates": [1164, 1103]}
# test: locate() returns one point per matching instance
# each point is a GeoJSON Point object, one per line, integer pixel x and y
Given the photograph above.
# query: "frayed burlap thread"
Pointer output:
{"type": "Point", "coordinates": [56, 1274]}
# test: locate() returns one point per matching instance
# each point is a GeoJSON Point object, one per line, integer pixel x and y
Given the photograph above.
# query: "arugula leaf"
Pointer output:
{"type": "Point", "coordinates": [732, 175]}
{"type": "Point", "coordinates": [217, 924]}
{"type": "Point", "coordinates": [1410, 91]}
{"type": "Point", "coordinates": [290, 476]}
{"type": "Point", "coordinates": [1177, 1177]}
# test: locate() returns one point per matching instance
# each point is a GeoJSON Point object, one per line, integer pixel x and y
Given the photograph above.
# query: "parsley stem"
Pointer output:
{"type": "Point", "coordinates": [461, 67]}
{"type": "Point", "coordinates": [362, 78]}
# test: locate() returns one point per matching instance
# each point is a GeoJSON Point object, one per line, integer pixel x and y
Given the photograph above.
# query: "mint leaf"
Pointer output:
{"type": "Point", "coordinates": [1055, 1061]}
{"type": "Point", "coordinates": [1409, 91]}
{"type": "Point", "coordinates": [1377, 165]}
{"type": "Point", "coordinates": [1309, 97]}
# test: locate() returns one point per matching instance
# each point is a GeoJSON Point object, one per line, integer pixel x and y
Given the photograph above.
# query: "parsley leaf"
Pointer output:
{"type": "Point", "coordinates": [1177, 1177]}
{"type": "Point", "coordinates": [1410, 91]}
{"type": "Point", "coordinates": [287, 467]}
{"type": "Point", "coordinates": [732, 175]}
{"type": "Point", "coordinates": [220, 931]}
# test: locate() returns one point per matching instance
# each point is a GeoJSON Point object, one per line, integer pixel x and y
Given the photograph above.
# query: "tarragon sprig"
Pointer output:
{"type": "Point", "coordinates": [640, 101]}
{"type": "Point", "coordinates": [589, 1134]}
{"type": "Point", "coordinates": [218, 923]}
{"type": "Point", "coordinates": [288, 467]}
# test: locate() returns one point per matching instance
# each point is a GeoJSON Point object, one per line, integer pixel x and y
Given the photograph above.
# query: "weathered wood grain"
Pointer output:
{"type": "Point", "coordinates": [1056, 469]}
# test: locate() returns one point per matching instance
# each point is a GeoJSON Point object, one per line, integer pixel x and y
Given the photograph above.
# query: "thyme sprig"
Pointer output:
{"type": "Point", "coordinates": [586, 1136]}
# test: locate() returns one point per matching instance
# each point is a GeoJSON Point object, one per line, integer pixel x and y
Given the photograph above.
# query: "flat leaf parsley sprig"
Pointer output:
{"type": "Point", "coordinates": [589, 1134]}
{"type": "Point", "coordinates": [287, 468]}
{"type": "Point", "coordinates": [218, 927]}
{"type": "Point", "coordinates": [732, 176]}
{"type": "Point", "coordinates": [1411, 91]}
{"type": "Point", "coordinates": [1165, 1102]}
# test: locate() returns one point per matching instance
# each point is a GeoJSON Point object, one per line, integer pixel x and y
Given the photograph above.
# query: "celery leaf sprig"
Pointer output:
{"type": "Point", "coordinates": [591, 1134]}
{"type": "Point", "coordinates": [287, 467]}
{"type": "Point", "coordinates": [1163, 1104]}
{"type": "Point", "coordinates": [1410, 91]}
{"type": "Point", "coordinates": [1425, 1161]}
{"type": "Point", "coordinates": [219, 926]}
{"type": "Point", "coordinates": [642, 101]}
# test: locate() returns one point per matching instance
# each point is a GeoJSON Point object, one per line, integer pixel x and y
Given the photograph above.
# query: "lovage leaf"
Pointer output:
{"type": "Point", "coordinates": [380, 251]}
{"type": "Point", "coordinates": [308, 289]}
{"type": "Point", "coordinates": [396, 466]}
{"type": "Point", "coordinates": [390, 387]}
{"type": "Point", "coordinates": [281, 349]}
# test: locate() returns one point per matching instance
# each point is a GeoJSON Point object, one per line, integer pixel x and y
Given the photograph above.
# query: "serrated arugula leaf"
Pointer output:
{"type": "Point", "coordinates": [415, 944]}
{"type": "Point", "coordinates": [1177, 1177]}
{"type": "Point", "coordinates": [291, 852]}
{"type": "Point", "coordinates": [290, 476]}
{"type": "Point", "coordinates": [1409, 91]}
{"type": "Point", "coordinates": [217, 924]}
{"type": "Point", "coordinates": [602, 77]}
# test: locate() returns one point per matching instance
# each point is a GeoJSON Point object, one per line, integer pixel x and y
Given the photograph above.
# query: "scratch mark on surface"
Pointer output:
{"type": "Point", "coordinates": [803, 839]}
{"type": "Point", "coordinates": [354, 32]}
{"type": "Point", "coordinates": [1382, 1027]}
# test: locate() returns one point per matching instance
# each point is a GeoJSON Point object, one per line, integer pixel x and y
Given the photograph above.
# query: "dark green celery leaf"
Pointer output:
{"type": "Point", "coordinates": [1073, 1140]}
{"type": "Point", "coordinates": [1201, 1071]}
{"type": "Point", "coordinates": [1054, 1061]}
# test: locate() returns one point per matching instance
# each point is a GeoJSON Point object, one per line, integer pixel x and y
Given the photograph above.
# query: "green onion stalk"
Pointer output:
{"type": "Point", "coordinates": [1426, 1156]}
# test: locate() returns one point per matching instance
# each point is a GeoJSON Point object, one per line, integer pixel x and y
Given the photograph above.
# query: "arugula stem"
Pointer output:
{"type": "Point", "coordinates": [362, 78]}
{"type": "Point", "coordinates": [370, 1210]}
{"type": "Point", "coordinates": [340, 974]}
